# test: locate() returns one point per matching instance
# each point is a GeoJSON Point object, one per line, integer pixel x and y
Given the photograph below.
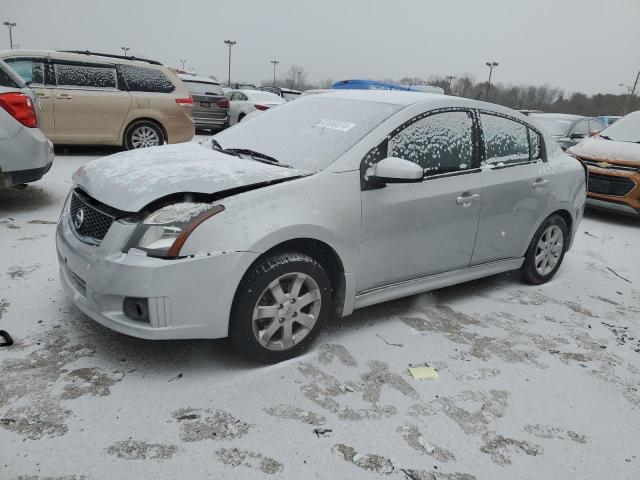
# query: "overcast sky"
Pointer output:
{"type": "Point", "coordinates": [577, 45]}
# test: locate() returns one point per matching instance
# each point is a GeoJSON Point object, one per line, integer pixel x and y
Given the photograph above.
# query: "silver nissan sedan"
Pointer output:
{"type": "Point", "coordinates": [311, 210]}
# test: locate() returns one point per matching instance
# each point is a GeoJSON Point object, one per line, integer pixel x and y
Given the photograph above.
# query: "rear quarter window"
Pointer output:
{"type": "Point", "coordinates": [8, 78]}
{"type": "Point", "coordinates": [141, 79]}
{"type": "Point", "coordinates": [30, 70]}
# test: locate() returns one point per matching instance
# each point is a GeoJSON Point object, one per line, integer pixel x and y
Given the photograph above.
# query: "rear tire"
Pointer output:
{"type": "Point", "coordinates": [279, 308]}
{"type": "Point", "coordinates": [546, 251]}
{"type": "Point", "coordinates": [142, 134]}
{"type": "Point", "coordinates": [240, 117]}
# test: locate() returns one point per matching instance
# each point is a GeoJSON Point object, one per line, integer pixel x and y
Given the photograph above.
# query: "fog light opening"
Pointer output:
{"type": "Point", "coordinates": [136, 309]}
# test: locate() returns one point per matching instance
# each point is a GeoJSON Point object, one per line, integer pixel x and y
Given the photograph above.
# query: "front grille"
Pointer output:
{"type": "Point", "coordinates": [610, 166]}
{"type": "Point", "coordinates": [88, 222]}
{"type": "Point", "coordinates": [610, 185]}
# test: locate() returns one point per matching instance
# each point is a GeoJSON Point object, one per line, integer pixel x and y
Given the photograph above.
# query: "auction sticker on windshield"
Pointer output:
{"type": "Point", "coordinates": [334, 125]}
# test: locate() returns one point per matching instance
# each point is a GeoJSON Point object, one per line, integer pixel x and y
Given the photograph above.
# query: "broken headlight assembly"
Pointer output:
{"type": "Point", "coordinates": [163, 233]}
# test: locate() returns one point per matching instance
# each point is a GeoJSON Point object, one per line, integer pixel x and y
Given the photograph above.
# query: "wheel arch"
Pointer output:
{"type": "Point", "coordinates": [155, 121]}
{"type": "Point", "coordinates": [320, 251]}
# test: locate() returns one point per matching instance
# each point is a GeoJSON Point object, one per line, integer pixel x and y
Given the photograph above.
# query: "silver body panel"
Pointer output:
{"type": "Point", "coordinates": [394, 241]}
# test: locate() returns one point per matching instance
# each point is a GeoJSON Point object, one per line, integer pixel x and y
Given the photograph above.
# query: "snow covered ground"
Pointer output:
{"type": "Point", "coordinates": [534, 382]}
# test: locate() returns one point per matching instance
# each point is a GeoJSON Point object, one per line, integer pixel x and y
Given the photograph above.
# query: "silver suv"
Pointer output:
{"type": "Point", "coordinates": [25, 153]}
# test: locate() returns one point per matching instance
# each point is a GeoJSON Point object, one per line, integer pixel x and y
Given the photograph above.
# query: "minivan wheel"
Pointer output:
{"type": "Point", "coordinates": [143, 134]}
{"type": "Point", "coordinates": [280, 307]}
{"type": "Point", "coordinates": [546, 251]}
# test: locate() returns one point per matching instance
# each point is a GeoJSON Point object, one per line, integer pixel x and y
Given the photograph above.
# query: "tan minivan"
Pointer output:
{"type": "Point", "coordinates": [98, 99]}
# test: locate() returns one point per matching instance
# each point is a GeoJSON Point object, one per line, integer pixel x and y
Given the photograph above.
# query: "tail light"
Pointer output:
{"type": "Point", "coordinates": [224, 103]}
{"type": "Point", "coordinates": [184, 102]}
{"type": "Point", "coordinates": [261, 107]}
{"type": "Point", "coordinates": [20, 107]}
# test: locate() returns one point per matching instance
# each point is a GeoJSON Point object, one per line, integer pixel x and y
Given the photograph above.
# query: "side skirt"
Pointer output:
{"type": "Point", "coordinates": [433, 282]}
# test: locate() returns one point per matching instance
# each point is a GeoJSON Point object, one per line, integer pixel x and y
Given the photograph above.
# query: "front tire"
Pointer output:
{"type": "Point", "coordinates": [280, 306]}
{"type": "Point", "coordinates": [142, 134]}
{"type": "Point", "coordinates": [546, 251]}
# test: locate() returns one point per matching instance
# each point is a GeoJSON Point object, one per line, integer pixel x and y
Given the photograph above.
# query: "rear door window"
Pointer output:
{"type": "Point", "coordinates": [141, 79]}
{"type": "Point", "coordinates": [30, 70]}
{"type": "Point", "coordinates": [89, 76]}
{"type": "Point", "coordinates": [506, 141]}
{"type": "Point", "coordinates": [439, 143]}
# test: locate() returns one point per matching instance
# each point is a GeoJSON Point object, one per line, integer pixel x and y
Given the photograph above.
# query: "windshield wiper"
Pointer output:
{"type": "Point", "coordinates": [605, 137]}
{"type": "Point", "coordinates": [257, 156]}
{"type": "Point", "coordinates": [260, 157]}
{"type": "Point", "coordinates": [218, 148]}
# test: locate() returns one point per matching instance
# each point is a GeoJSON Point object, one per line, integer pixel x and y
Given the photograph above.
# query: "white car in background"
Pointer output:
{"type": "Point", "coordinates": [244, 102]}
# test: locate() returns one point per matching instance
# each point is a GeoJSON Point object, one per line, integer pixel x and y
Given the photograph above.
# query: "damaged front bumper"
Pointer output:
{"type": "Point", "coordinates": [186, 298]}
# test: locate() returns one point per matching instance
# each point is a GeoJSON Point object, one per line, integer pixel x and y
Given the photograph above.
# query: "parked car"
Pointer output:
{"type": "Point", "coordinates": [239, 86]}
{"type": "Point", "coordinates": [318, 207]}
{"type": "Point", "coordinates": [287, 93]}
{"type": "Point", "coordinates": [608, 120]}
{"type": "Point", "coordinates": [100, 99]}
{"type": "Point", "coordinates": [210, 105]}
{"type": "Point", "coordinates": [613, 160]}
{"type": "Point", "coordinates": [378, 85]}
{"type": "Point", "coordinates": [568, 130]}
{"type": "Point", "coordinates": [315, 91]}
{"type": "Point", "coordinates": [25, 153]}
{"type": "Point", "coordinates": [244, 102]}
{"type": "Point", "coordinates": [530, 112]}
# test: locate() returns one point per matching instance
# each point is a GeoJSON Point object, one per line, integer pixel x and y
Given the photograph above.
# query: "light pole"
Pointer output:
{"type": "Point", "coordinates": [450, 78]}
{"type": "Point", "coordinates": [491, 66]}
{"type": "Point", "coordinates": [298, 73]}
{"type": "Point", "coordinates": [630, 92]}
{"type": "Point", "coordinates": [183, 62]}
{"type": "Point", "coordinates": [10, 26]}
{"type": "Point", "coordinates": [230, 43]}
{"type": "Point", "coordinates": [275, 62]}
{"type": "Point", "coordinates": [125, 50]}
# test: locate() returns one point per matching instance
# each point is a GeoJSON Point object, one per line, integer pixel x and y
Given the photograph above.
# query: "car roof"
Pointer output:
{"type": "Point", "coordinates": [394, 97]}
{"type": "Point", "coordinates": [197, 78]}
{"type": "Point", "coordinates": [80, 57]}
{"type": "Point", "coordinates": [559, 116]}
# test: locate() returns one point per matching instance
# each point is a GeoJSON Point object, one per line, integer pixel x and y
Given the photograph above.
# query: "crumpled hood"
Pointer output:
{"type": "Point", "coordinates": [131, 180]}
{"type": "Point", "coordinates": [600, 149]}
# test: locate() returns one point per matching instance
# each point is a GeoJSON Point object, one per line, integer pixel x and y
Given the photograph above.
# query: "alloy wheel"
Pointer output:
{"type": "Point", "coordinates": [144, 136]}
{"type": "Point", "coordinates": [549, 250]}
{"type": "Point", "coordinates": [286, 311]}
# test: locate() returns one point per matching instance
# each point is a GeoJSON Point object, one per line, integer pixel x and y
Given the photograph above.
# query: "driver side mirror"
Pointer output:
{"type": "Point", "coordinates": [577, 136]}
{"type": "Point", "coordinates": [396, 170]}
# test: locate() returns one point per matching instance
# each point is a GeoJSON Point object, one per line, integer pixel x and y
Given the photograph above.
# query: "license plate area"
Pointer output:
{"type": "Point", "coordinates": [205, 104]}
{"type": "Point", "coordinates": [74, 279]}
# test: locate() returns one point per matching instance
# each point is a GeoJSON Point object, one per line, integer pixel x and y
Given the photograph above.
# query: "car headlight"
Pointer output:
{"type": "Point", "coordinates": [163, 233]}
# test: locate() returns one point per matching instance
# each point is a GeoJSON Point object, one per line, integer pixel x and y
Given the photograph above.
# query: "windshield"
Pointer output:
{"type": "Point", "coordinates": [554, 125]}
{"type": "Point", "coordinates": [627, 129]}
{"type": "Point", "coordinates": [308, 134]}
{"type": "Point", "coordinates": [204, 88]}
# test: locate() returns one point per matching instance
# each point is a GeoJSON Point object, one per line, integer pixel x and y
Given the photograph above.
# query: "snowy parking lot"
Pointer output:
{"type": "Point", "coordinates": [532, 381]}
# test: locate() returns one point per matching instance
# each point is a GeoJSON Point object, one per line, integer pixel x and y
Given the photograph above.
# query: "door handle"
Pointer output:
{"type": "Point", "coordinates": [539, 183]}
{"type": "Point", "coordinates": [466, 199]}
{"type": "Point", "coordinates": [42, 95]}
{"type": "Point", "coordinates": [64, 96]}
